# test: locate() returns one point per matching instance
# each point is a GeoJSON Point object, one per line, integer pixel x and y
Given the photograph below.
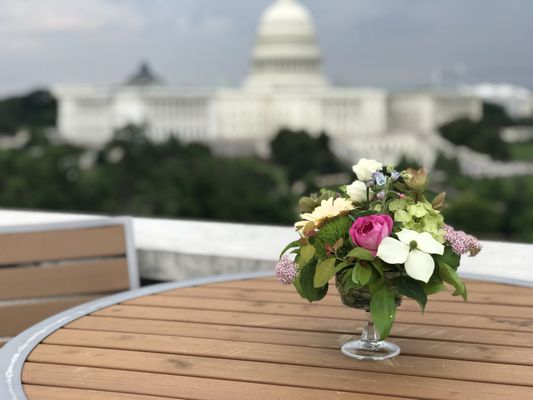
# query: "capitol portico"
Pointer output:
{"type": "Point", "coordinates": [286, 88]}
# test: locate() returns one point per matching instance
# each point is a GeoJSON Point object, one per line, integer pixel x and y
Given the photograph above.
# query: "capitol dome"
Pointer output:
{"type": "Point", "coordinates": [286, 53]}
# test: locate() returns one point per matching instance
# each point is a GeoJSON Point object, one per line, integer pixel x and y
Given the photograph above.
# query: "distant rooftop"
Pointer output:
{"type": "Point", "coordinates": [144, 77]}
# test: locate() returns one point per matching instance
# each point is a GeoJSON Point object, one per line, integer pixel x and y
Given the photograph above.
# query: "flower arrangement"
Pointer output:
{"type": "Point", "coordinates": [381, 238]}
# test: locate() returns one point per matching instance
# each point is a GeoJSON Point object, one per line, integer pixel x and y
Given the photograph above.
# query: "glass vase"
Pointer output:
{"type": "Point", "coordinates": [370, 346]}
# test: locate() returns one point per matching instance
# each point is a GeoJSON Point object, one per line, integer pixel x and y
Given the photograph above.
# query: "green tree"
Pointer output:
{"type": "Point", "coordinates": [303, 156]}
{"type": "Point", "coordinates": [136, 176]}
{"type": "Point", "coordinates": [37, 109]}
{"type": "Point", "coordinates": [484, 135]}
{"type": "Point", "coordinates": [474, 214]}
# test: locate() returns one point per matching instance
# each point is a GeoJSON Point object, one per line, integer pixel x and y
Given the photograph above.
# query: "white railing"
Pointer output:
{"type": "Point", "coordinates": [181, 249]}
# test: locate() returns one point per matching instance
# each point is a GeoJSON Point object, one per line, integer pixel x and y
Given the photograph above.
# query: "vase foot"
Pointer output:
{"type": "Point", "coordinates": [372, 351]}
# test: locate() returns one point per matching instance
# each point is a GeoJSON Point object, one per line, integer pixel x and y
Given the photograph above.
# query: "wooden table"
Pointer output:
{"type": "Point", "coordinates": [256, 339]}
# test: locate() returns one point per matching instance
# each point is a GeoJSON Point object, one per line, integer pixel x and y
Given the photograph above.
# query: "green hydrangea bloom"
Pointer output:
{"type": "Point", "coordinates": [419, 216]}
{"type": "Point", "coordinates": [398, 204]}
{"type": "Point", "coordinates": [402, 216]}
{"type": "Point", "coordinates": [417, 210]}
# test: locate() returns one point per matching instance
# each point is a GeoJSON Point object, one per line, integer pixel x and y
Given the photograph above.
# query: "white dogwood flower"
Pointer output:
{"type": "Point", "coordinates": [414, 250]}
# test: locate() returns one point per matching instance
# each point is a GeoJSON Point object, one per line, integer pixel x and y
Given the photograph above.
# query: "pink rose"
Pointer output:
{"type": "Point", "coordinates": [368, 231]}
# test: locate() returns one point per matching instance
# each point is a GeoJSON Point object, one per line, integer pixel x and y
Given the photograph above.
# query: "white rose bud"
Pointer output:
{"type": "Point", "coordinates": [357, 192]}
{"type": "Point", "coordinates": [365, 168]}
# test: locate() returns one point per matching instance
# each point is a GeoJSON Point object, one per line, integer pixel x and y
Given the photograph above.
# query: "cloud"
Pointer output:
{"type": "Point", "coordinates": [215, 24]}
{"type": "Point", "coordinates": [22, 18]}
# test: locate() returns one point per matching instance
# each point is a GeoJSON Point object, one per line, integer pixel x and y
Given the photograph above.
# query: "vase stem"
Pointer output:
{"type": "Point", "coordinates": [369, 333]}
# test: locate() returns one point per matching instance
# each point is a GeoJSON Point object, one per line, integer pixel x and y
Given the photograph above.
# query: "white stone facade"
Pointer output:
{"type": "Point", "coordinates": [286, 88]}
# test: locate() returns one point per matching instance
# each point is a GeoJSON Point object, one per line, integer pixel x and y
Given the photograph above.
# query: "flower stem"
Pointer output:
{"type": "Point", "coordinates": [384, 200]}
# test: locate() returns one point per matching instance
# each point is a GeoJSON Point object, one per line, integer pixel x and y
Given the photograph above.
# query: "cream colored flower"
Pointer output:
{"type": "Point", "coordinates": [327, 210]}
{"type": "Point", "coordinates": [357, 192]}
{"type": "Point", "coordinates": [365, 168]}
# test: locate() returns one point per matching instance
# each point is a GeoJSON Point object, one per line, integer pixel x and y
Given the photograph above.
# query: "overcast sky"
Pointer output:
{"type": "Point", "coordinates": [207, 42]}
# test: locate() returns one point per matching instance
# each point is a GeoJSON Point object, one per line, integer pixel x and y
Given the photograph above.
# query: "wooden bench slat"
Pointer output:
{"type": "Point", "coordinates": [407, 304]}
{"type": "Point", "coordinates": [16, 318]}
{"type": "Point", "coordinates": [288, 336]}
{"type": "Point", "coordinates": [172, 385]}
{"type": "Point", "coordinates": [284, 370]}
{"type": "Point", "coordinates": [64, 279]}
{"type": "Point", "coordinates": [29, 247]}
{"type": "Point", "coordinates": [242, 350]}
{"type": "Point", "coordinates": [56, 393]}
{"type": "Point", "coordinates": [160, 303]}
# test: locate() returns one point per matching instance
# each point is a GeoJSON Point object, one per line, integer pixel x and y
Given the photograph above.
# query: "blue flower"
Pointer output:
{"type": "Point", "coordinates": [379, 178]}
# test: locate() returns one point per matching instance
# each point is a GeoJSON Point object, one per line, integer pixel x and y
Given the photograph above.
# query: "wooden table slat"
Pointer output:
{"type": "Point", "coordinates": [260, 304]}
{"type": "Point", "coordinates": [279, 367]}
{"type": "Point", "coordinates": [331, 339]}
{"type": "Point", "coordinates": [449, 307]}
{"type": "Point", "coordinates": [56, 393]}
{"type": "Point", "coordinates": [225, 349]}
{"type": "Point", "coordinates": [473, 297]}
{"type": "Point", "coordinates": [170, 385]}
{"type": "Point", "coordinates": [474, 285]}
{"type": "Point", "coordinates": [269, 315]}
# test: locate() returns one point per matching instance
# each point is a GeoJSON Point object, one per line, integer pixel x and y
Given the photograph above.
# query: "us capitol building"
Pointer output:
{"type": "Point", "coordinates": [285, 88]}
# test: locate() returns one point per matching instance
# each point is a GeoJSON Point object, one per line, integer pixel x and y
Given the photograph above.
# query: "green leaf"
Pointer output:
{"type": "Point", "coordinates": [449, 257]}
{"type": "Point", "coordinates": [304, 284]}
{"type": "Point", "coordinates": [449, 275]}
{"type": "Point", "coordinates": [380, 266]}
{"type": "Point", "coordinates": [438, 201]}
{"type": "Point", "coordinates": [412, 288]}
{"type": "Point", "coordinates": [291, 245]}
{"type": "Point", "coordinates": [361, 254]}
{"type": "Point", "coordinates": [383, 310]}
{"type": "Point", "coordinates": [434, 285]}
{"type": "Point", "coordinates": [307, 204]}
{"type": "Point", "coordinates": [324, 272]}
{"type": "Point", "coordinates": [346, 280]}
{"type": "Point", "coordinates": [338, 244]}
{"type": "Point", "coordinates": [342, 265]}
{"type": "Point", "coordinates": [308, 228]}
{"type": "Point", "coordinates": [355, 277]}
{"type": "Point", "coordinates": [306, 254]}
{"type": "Point", "coordinates": [364, 274]}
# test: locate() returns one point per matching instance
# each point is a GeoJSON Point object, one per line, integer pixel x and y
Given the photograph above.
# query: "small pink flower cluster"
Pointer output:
{"type": "Point", "coordinates": [461, 242]}
{"type": "Point", "coordinates": [286, 270]}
